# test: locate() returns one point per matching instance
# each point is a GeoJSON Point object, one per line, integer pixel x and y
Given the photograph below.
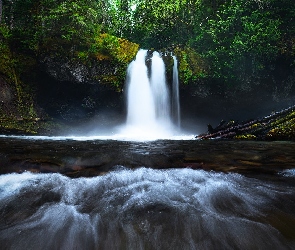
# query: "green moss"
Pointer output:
{"type": "Point", "coordinates": [256, 125]}
{"type": "Point", "coordinates": [108, 47]}
{"type": "Point", "coordinates": [245, 137]}
{"type": "Point", "coordinates": [111, 80]}
{"type": "Point", "coordinates": [117, 51]}
{"type": "Point", "coordinates": [19, 113]}
{"type": "Point", "coordinates": [126, 50]}
{"type": "Point", "coordinates": [283, 129]}
{"type": "Point", "coordinates": [33, 126]}
{"type": "Point", "coordinates": [18, 125]}
{"type": "Point", "coordinates": [7, 63]}
{"type": "Point", "coordinates": [191, 65]}
{"type": "Point", "coordinates": [110, 52]}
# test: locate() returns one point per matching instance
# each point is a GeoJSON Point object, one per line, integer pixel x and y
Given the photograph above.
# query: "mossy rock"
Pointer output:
{"type": "Point", "coordinates": [191, 65]}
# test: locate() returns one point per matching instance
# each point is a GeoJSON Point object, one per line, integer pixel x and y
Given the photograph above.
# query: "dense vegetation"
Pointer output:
{"type": "Point", "coordinates": [225, 38]}
{"type": "Point", "coordinates": [229, 43]}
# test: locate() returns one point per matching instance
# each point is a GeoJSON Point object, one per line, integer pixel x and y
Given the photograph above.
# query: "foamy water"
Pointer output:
{"type": "Point", "coordinates": [145, 209]}
{"type": "Point", "coordinates": [129, 134]}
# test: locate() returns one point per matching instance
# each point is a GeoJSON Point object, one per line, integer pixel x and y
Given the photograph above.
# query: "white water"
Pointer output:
{"type": "Point", "coordinates": [143, 120]}
{"type": "Point", "coordinates": [160, 91]}
{"type": "Point", "coordinates": [149, 113]}
{"type": "Point", "coordinates": [175, 94]}
{"type": "Point", "coordinates": [140, 103]}
{"type": "Point", "coordinates": [144, 209]}
{"type": "Point", "coordinates": [134, 135]}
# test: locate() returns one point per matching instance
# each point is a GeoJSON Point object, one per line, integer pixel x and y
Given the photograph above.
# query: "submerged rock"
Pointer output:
{"type": "Point", "coordinates": [96, 157]}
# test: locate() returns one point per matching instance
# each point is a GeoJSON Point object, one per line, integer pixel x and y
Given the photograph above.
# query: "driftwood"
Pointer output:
{"type": "Point", "coordinates": [252, 129]}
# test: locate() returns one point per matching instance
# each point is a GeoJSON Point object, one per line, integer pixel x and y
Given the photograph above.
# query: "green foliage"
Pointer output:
{"type": "Point", "coordinates": [231, 35]}
{"type": "Point", "coordinates": [78, 19]}
{"type": "Point", "coordinates": [160, 24]}
{"type": "Point", "coordinates": [233, 41]}
{"type": "Point", "coordinates": [67, 30]}
{"type": "Point", "coordinates": [116, 50]}
{"type": "Point", "coordinates": [12, 66]}
{"type": "Point", "coordinates": [4, 32]}
{"type": "Point", "coordinates": [191, 65]}
{"type": "Point", "coordinates": [239, 39]}
{"type": "Point", "coordinates": [109, 47]}
{"type": "Point", "coordinates": [6, 60]}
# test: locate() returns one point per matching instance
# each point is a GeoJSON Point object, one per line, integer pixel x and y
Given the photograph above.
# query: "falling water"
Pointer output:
{"type": "Point", "coordinates": [140, 103]}
{"type": "Point", "coordinates": [148, 99]}
{"type": "Point", "coordinates": [159, 89]}
{"type": "Point", "coordinates": [175, 92]}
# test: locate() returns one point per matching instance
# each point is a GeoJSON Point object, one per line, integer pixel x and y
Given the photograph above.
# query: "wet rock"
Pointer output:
{"type": "Point", "coordinates": [91, 158]}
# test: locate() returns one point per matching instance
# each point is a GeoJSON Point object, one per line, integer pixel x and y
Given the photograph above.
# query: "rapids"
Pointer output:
{"type": "Point", "coordinates": [147, 209]}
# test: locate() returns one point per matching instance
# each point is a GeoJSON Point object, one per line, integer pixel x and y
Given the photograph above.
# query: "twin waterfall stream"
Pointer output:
{"type": "Point", "coordinates": [153, 109]}
{"type": "Point", "coordinates": [148, 195]}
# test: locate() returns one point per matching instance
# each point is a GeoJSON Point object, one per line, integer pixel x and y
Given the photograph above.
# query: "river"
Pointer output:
{"type": "Point", "coordinates": [67, 193]}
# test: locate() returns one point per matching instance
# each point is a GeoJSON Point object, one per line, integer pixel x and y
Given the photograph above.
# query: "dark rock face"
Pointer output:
{"type": "Point", "coordinates": [67, 70]}
{"type": "Point", "coordinates": [72, 92]}
{"type": "Point", "coordinates": [7, 97]}
{"type": "Point", "coordinates": [210, 102]}
{"type": "Point", "coordinates": [63, 70]}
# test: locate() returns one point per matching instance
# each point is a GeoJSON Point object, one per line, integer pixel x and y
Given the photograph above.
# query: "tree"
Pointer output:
{"type": "Point", "coordinates": [0, 11]}
{"type": "Point", "coordinates": [238, 39]}
{"type": "Point", "coordinates": [235, 38]}
{"type": "Point", "coordinates": [164, 23]}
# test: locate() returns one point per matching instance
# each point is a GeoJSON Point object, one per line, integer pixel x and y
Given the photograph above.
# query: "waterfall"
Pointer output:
{"type": "Point", "coordinates": [140, 103]}
{"type": "Point", "coordinates": [175, 93]}
{"type": "Point", "coordinates": [149, 106]}
{"type": "Point", "coordinates": [160, 89]}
